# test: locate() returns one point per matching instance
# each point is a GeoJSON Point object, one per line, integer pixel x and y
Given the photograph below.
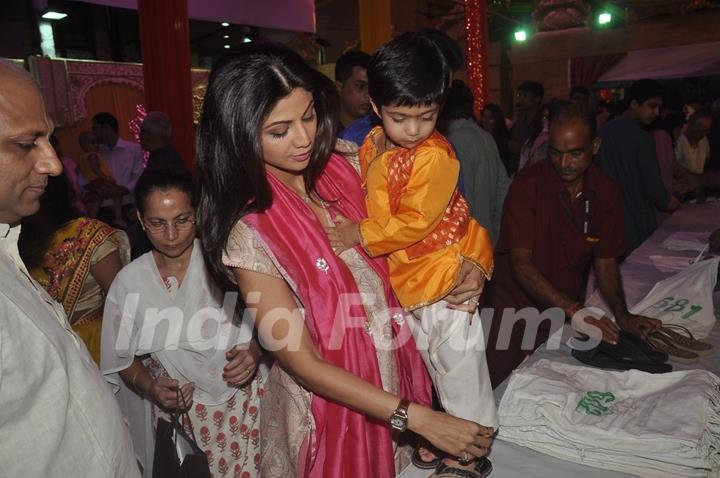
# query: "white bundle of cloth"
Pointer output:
{"type": "Point", "coordinates": [664, 425]}
{"type": "Point", "coordinates": [684, 299]}
{"type": "Point", "coordinates": [686, 241]}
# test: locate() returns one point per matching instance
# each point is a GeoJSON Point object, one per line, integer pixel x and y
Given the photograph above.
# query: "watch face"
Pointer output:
{"type": "Point", "coordinates": [398, 423]}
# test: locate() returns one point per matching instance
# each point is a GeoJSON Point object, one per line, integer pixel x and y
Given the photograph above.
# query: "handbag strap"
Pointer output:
{"type": "Point", "coordinates": [183, 413]}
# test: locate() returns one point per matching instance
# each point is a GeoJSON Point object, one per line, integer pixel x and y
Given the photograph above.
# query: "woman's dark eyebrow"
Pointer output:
{"type": "Point", "coordinates": [275, 123]}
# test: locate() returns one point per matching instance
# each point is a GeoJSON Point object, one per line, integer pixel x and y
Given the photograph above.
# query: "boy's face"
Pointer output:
{"type": "Point", "coordinates": [408, 126]}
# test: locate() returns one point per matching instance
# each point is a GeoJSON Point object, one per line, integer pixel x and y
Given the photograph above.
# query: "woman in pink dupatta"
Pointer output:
{"type": "Point", "coordinates": [346, 362]}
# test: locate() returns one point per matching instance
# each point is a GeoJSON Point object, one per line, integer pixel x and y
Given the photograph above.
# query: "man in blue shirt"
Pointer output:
{"type": "Point", "coordinates": [628, 155]}
{"type": "Point", "coordinates": [352, 84]}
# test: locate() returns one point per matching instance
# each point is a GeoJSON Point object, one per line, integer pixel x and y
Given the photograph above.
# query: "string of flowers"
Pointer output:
{"type": "Point", "coordinates": [135, 124]}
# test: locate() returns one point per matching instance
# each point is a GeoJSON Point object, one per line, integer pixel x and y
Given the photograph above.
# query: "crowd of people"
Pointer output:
{"type": "Point", "coordinates": [315, 295]}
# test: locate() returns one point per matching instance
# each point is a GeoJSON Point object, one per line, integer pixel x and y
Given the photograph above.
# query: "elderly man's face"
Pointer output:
{"type": "Point", "coordinates": [26, 156]}
{"type": "Point", "coordinates": [571, 148]}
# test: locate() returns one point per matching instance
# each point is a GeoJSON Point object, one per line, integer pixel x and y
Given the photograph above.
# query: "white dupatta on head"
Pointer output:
{"type": "Point", "coordinates": [189, 333]}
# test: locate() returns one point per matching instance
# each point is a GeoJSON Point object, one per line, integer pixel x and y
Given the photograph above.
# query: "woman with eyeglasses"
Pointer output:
{"type": "Point", "coordinates": [348, 380]}
{"type": "Point", "coordinates": [172, 342]}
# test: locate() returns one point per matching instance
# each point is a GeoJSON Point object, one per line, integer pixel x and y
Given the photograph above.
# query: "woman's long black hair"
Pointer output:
{"type": "Point", "coordinates": [244, 88]}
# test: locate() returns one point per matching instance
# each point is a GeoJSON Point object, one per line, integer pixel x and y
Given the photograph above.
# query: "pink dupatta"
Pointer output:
{"type": "Point", "coordinates": [346, 443]}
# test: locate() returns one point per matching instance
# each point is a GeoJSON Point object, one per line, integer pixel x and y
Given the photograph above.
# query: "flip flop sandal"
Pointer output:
{"type": "Point", "coordinates": [681, 337]}
{"type": "Point", "coordinates": [417, 460]}
{"type": "Point", "coordinates": [676, 354]}
{"type": "Point", "coordinates": [627, 354]}
{"type": "Point", "coordinates": [483, 467]}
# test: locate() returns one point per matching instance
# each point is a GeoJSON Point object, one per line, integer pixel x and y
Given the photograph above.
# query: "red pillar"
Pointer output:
{"type": "Point", "coordinates": [165, 44]}
{"type": "Point", "coordinates": [476, 36]}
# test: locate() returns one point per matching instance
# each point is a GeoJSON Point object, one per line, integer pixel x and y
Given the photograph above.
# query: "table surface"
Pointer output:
{"type": "Point", "coordinates": [639, 276]}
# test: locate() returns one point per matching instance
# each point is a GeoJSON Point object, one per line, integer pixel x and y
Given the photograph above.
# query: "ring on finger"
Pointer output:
{"type": "Point", "coordinates": [464, 460]}
{"type": "Point", "coordinates": [474, 301]}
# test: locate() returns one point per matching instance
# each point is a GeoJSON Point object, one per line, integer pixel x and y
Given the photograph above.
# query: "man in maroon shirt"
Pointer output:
{"type": "Point", "coordinates": [561, 216]}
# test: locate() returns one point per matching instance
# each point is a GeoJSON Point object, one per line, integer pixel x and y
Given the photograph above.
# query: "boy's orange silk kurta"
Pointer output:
{"type": "Point", "coordinates": [418, 219]}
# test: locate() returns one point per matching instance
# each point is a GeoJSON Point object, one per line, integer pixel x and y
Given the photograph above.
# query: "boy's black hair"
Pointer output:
{"type": "Point", "coordinates": [347, 61]}
{"type": "Point", "coordinates": [409, 70]}
{"type": "Point", "coordinates": [449, 47]}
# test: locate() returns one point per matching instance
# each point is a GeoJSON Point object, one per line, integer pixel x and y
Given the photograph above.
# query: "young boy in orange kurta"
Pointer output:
{"type": "Point", "coordinates": [418, 218]}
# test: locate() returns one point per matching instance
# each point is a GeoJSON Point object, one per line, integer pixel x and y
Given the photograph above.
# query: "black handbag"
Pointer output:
{"type": "Point", "coordinates": [177, 454]}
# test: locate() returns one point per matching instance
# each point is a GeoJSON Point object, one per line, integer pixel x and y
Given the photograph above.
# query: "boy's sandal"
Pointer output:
{"type": "Point", "coordinates": [483, 467]}
{"type": "Point", "coordinates": [661, 343]}
{"type": "Point", "coordinates": [417, 460]}
{"type": "Point", "coordinates": [681, 337]}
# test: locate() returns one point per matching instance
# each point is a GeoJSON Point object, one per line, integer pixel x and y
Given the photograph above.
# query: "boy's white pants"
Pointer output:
{"type": "Point", "coordinates": [454, 353]}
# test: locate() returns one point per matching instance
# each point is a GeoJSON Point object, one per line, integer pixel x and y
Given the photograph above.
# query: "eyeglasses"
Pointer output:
{"type": "Point", "coordinates": [158, 225]}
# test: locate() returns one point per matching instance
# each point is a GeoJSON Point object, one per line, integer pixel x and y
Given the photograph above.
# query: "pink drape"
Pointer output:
{"type": "Point", "coordinates": [586, 70]}
{"type": "Point", "coordinates": [346, 443]}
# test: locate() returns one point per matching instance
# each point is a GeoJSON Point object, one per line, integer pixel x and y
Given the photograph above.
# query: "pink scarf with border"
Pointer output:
{"type": "Point", "coordinates": [346, 443]}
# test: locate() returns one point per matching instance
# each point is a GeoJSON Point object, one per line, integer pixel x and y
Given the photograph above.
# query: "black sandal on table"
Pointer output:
{"type": "Point", "coordinates": [483, 467]}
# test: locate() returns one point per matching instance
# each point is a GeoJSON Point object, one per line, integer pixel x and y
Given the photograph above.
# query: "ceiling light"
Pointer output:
{"type": "Point", "coordinates": [247, 40]}
{"type": "Point", "coordinates": [53, 15]}
{"type": "Point", "coordinates": [226, 36]}
{"type": "Point", "coordinates": [604, 18]}
{"type": "Point", "coordinates": [521, 35]}
{"type": "Point", "coordinates": [226, 46]}
{"type": "Point", "coordinates": [225, 24]}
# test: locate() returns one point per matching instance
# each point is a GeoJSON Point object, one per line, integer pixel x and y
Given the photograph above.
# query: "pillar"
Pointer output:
{"type": "Point", "coordinates": [165, 45]}
{"type": "Point", "coordinates": [374, 16]}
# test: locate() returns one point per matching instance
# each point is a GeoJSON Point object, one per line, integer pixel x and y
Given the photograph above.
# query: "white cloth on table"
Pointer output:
{"type": "Point", "coordinates": [684, 299]}
{"type": "Point", "coordinates": [686, 241]}
{"type": "Point", "coordinates": [663, 425]}
{"type": "Point", "coordinates": [671, 263]}
{"type": "Point", "coordinates": [58, 417]}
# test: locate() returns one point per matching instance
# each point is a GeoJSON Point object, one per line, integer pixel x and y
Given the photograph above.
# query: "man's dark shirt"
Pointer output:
{"type": "Point", "coordinates": [628, 155]}
{"type": "Point", "coordinates": [166, 157]}
{"type": "Point", "coordinates": [522, 130]}
{"type": "Point", "coordinates": [539, 215]}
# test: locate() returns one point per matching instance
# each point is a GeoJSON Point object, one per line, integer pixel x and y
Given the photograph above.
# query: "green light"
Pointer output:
{"type": "Point", "coordinates": [521, 35]}
{"type": "Point", "coordinates": [604, 18]}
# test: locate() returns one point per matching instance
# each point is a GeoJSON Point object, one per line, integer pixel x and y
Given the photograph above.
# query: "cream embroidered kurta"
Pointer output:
{"type": "Point", "coordinates": [58, 416]}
